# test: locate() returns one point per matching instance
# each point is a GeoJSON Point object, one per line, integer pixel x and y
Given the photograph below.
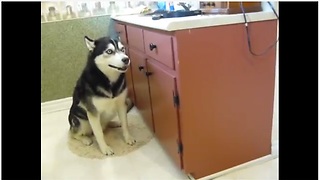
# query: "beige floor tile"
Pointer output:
{"type": "Point", "coordinates": [265, 171]}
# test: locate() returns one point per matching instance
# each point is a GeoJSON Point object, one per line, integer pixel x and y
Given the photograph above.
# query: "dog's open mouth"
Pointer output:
{"type": "Point", "coordinates": [118, 68]}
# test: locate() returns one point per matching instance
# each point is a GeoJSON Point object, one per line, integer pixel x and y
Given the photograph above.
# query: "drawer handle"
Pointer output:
{"type": "Point", "coordinates": [140, 68]}
{"type": "Point", "coordinates": [145, 72]}
{"type": "Point", "coordinates": [148, 73]}
{"type": "Point", "coordinates": [152, 46]}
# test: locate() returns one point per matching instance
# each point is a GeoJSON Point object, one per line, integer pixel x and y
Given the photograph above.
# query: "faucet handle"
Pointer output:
{"type": "Point", "coordinates": [186, 7]}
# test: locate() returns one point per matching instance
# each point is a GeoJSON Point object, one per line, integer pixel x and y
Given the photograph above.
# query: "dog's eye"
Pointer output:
{"type": "Point", "coordinates": [109, 51]}
{"type": "Point", "coordinates": [123, 49]}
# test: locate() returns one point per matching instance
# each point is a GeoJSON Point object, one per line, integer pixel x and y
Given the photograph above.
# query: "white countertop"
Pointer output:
{"type": "Point", "coordinates": [173, 24]}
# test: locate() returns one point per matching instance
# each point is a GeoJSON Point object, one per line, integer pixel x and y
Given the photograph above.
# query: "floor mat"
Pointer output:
{"type": "Point", "coordinates": [114, 138]}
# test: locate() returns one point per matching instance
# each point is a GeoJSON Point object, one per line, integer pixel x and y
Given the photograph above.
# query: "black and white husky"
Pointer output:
{"type": "Point", "coordinates": [100, 93]}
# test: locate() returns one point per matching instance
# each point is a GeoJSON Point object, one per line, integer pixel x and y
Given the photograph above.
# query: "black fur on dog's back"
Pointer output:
{"type": "Point", "coordinates": [88, 83]}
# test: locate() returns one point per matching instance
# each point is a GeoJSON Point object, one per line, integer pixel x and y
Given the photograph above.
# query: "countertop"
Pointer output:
{"type": "Point", "coordinates": [173, 24]}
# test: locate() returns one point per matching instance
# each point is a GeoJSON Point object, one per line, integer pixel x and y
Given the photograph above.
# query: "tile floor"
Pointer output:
{"type": "Point", "coordinates": [147, 163]}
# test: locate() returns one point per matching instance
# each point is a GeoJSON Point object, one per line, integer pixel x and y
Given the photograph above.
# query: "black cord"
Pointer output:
{"type": "Point", "coordinates": [248, 34]}
{"type": "Point", "coordinates": [274, 11]}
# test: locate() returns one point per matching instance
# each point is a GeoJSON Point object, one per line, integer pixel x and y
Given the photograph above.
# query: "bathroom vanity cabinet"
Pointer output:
{"type": "Point", "coordinates": [207, 99]}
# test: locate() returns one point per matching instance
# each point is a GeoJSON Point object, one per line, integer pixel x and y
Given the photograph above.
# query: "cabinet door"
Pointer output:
{"type": "Point", "coordinates": [141, 86]}
{"type": "Point", "coordinates": [165, 115]}
{"type": "Point", "coordinates": [129, 81]}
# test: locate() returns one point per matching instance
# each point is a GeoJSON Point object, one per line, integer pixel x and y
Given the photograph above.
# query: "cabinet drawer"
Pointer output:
{"type": "Point", "coordinates": [159, 47]}
{"type": "Point", "coordinates": [135, 37]}
{"type": "Point", "coordinates": [121, 30]}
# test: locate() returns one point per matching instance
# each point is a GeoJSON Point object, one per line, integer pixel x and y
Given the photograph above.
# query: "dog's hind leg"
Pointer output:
{"type": "Point", "coordinates": [82, 133]}
{"type": "Point", "coordinates": [86, 140]}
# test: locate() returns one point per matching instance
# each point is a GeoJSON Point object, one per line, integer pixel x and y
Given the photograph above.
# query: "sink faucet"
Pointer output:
{"type": "Point", "coordinates": [186, 7]}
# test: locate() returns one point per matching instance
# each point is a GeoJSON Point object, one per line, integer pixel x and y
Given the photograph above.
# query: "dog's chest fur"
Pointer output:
{"type": "Point", "coordinates": [109, 105]}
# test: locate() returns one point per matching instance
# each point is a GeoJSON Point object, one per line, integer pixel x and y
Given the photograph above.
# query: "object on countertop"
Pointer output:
{"type": "Point", "coordinates": [162, 5]}
{"type": "Point", "coordinates": [146, 10]}
{"type": "Point", "coordinates": [113, 8]}
{"type": "Point", "coordinates": [98, 9]}
{"type": "Point", "coordinates": [171, 6]}
{"type": "Point", "coordinates": [175, 14]}
{"type": "Point", "coordinates": [69, 13]}
{"type": "Point", "coordinates": [53, 15]}
{"type": "Point", "coordinates": [227, 7]}
{"type": "Point", "coordinates": [185, 6]}
{"type": "Point", "coordinates": [84, 12]}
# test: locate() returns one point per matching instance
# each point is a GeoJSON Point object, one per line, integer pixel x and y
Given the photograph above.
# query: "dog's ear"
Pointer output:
{"type": "Point", "coordinates": [89, 42]}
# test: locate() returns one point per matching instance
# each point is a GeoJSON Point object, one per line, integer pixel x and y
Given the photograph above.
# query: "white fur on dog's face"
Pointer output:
{"type": "Point", "coordinates": [108, 55]}
{"type": "Point", "coordinates": [112, 56]}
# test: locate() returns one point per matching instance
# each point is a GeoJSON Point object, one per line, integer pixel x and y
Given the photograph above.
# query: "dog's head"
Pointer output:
{"type": "Point", "coordinates": [108, 54]}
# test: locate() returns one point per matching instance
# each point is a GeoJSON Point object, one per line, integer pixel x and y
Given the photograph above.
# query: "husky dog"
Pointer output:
{"type": "Point", "coordinates": [100, 94]}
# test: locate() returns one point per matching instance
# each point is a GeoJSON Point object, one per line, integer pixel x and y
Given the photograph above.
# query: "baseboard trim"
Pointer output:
{"type": "Point", "coordinates": [56, 105]}
{"type": "Point", "coordinates": [239, 167]}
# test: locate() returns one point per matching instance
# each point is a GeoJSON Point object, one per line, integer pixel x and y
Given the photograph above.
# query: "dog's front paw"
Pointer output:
{"type": "Point", "coordinates": [130, 140]}
{"type": "Point", "coordinates": [107, 150]}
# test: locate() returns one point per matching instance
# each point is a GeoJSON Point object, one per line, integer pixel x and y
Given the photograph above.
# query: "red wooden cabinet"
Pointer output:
{"type": "Point", "coordinates": [208, 100]}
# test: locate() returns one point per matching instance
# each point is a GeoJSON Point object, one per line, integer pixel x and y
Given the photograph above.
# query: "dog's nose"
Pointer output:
{"type": "Point", "coordinates": [125, 60]}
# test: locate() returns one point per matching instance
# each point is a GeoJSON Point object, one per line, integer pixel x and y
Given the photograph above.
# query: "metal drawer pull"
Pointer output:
{"type": "Point", "coordinates": [152, 46]}
{"type": "Point", "coordinates": [140, 68]}
{"type": "Point", "coordinates": [145, 72]}
{"type": "Point", "coordinates": [148, 73]}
